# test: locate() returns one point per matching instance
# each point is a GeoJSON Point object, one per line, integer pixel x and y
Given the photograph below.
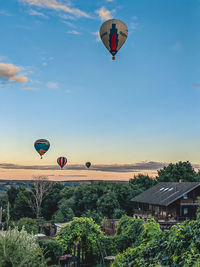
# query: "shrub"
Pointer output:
{"type": "Point", "coordinates": [52, 250]}
{"type": "Point", "coordinates": [83, 230]}
{"type": "Point", "coordinates": [128, 232]}
{"type": "Point", "coordinates": [30, 225]}
{"type": "Point", "coordinates": [18, 248]}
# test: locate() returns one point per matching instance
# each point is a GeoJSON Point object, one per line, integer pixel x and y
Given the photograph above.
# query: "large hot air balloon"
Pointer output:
{"type": "Point", "coordinates": [62, 161]}
{"type": "Point", "coordinates": [88, 164]}
{"type": "Point", "coordinates": [113, 34]}
{"type": "Point", "coordinates": [41, 146]}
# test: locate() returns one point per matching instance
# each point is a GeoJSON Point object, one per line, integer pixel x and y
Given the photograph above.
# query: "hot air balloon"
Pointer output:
{"type": "Point", "coordinates": [62, 161]}
{"type": "Point", "coordinates": [88, 164]}
{"type": "Point", "coordinates": [41, 146]}
{"type": "Point", "coordinates": [113, 34]}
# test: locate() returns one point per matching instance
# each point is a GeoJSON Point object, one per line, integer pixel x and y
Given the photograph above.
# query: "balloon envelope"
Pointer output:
{"type": "Point", "coordinates": [62, 161]}
{"type": "Point", "coordinates": [41, 146]}
{"type": "Point", "coordinates": [88, 164]}
{"type": "Point", "coordinates": [113, 34]}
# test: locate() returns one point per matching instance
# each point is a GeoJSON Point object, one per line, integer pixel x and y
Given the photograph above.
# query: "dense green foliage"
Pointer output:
{"type": "Point", "coordinates": [97, 200]}
{"type": "Point", "coordinates": [85, 206]}
{"type": "Point", "coordinates": [52, 250]}
{"type": "Point", "coordinates": [29, 225]}
{"type": "Point", "coordinates": [177, 171]}
{"type": "Point", "coordinates": [180, 246]}
{"type": "Point", "coordinates": [18, 248]}
{"type": "Point", "coordinates": [82, 230]}
{"type": "Point", "coordinates": [127, 232]}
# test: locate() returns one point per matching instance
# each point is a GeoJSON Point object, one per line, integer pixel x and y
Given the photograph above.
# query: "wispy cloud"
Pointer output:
{"type": "Point", "coordinates": [133, 26]}
{"type": "Point", "coordinates": [177, 47]}
{"type": "Point", "coordinates": [104, 13]}
{"type": "Point", "coordinates": [5, 13]}
{"type": "Point", "coordinates": [36, 13]}
{"type": "Point", "coordinates": [58, 6]}
{"type": "Point", "coordinates": [3, 58]}
{"type": "Point", "coordinates": [141, 166]}
{"type": "Point", "coordinates": [52, 85]}
{"type": "Point", "coordinates": [98, 39]}
{"type": "Point", "coordinates": [9, 72]}
{"type": "Point", "coordinates": [29, 89]}
{"type": "Point", "coordinates": [69, 24]}
{"type": "Point", "coordinates": [197, 85]}
{"type": "Point", "coordinates": [74, 32]}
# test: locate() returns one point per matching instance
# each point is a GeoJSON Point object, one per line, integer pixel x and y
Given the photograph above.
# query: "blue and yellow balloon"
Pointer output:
{"type": "Point", "coordinates": [41, 146]}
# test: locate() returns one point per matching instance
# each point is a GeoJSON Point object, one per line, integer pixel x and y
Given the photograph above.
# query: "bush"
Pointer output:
{"type": "Point", "coordinates": [178, 247]}
{"type": "Point", "coordinates": [30, 225]}
{"type": "Point", "coordinates": [20, 249]}
{"type": "Point", "coordinates": [52, 250]}
{"type": "Point", "coordinates": [85, 231]}
{"type": "Point", "coordinates": [128, 232]}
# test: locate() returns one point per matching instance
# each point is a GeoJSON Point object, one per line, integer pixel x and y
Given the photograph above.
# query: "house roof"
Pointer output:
{"type": "Point", "coordinates": [163, 194]}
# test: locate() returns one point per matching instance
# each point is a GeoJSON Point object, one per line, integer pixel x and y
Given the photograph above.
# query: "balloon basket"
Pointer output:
{"type": "Point", "coordinates": [113, 58]}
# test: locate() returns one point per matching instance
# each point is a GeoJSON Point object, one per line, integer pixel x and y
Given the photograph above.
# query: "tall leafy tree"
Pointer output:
{"type": "Point", "coordinates": [177, 171]}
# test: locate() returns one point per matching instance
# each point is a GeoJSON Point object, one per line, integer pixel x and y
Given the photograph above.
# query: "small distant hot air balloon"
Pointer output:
{"type": "Point", "coordinates": [113, 34]}
{"type": "Point", "coordinates": [88, 164]}
{"type": "Point", "coordinates": [41, 146]}
{"type": "Point", "coordinates": [62, 161]}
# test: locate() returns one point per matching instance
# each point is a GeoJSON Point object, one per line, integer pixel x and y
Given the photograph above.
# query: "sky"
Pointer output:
{"type": "Point", "coordinates": [58, 82]}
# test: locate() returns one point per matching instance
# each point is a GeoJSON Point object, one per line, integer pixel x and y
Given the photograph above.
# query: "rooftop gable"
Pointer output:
{"type": "Point", "coordinates": [163, 194]}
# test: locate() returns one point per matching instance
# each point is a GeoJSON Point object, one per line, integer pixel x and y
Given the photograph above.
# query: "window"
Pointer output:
{"type": "Point", "coordinates": [185, 196]}
{"type": "Point", "coordinates": [185, 211]}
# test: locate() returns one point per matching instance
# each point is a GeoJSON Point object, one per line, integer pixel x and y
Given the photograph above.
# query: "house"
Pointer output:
{"type": "Point", "coordinates": [110, 225]}
{"type": "Point", "coordinates": [59, 226]}
{"type": "Point", "coordinates": [168, 202]}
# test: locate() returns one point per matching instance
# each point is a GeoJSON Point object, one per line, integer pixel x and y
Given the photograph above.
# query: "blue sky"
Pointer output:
{"type": "Point", "coordinates": [144, 106]}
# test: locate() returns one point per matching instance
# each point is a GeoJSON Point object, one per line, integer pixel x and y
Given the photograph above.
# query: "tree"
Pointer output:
{"type": "Point", "coordinates": [128, 232]}
{"type": "Point", "coordinates": [18, 248]}
{"type": "Point", "coordinates": [21, 207]}
{"type": "Point", "coordinates": [52, 251]}
{"type": "Point", "coordinates": [144, 182]}
{"type": "Point", "coordinates": [39, 191]}
{"type": "Point", "coordinates": [84, 231]}
{"type": "Point", "coordinates": [64, 212]}
{"type": "Point", "coordinates": [28, 224]}
{"type": "Point", "coordinates": [50, 203]}
{"type": "Point", "coordinates": [107, 204]}
{"type": "Point", "coordinates": [177, 171]}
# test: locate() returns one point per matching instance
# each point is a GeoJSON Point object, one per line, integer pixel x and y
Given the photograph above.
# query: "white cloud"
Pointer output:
{"type": "Point", "coordinates": [52, 85]}
{"type": "Point", "coordinates": [69, 24]}
{"type": "Point", "coordinates": [133, 26]}
{"type": "Point", "coordinates": [44, 64]}
{"type": "Point", "coordinates": [9, 72]}
{"type": "Point", "coordinates": [110, 0]}
{"type": "Point", "coordinates": [29, 89]}
{"type": "Point", "coordinates": [5, 13]}
{"type": "Point", "coordinates": [36, 13]}
{"type": "Point", "coordinates": [98, 39]}
{"type": "Point", "coordinates": [104, 13]}
{"type": "Point", "coordinates": [197, 85]}
{"type": "Point", "coordinates": [3, 58]}
{"type": "Point", "coordinates": [58, 6]}
{"type": "Point", "coordinates": [176, 47]}
{"type": "Point", "coordinates": [74, 32]}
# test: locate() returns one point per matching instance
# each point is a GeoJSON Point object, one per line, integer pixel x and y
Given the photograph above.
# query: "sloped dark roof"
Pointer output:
{"type": "Point", "coordinates": [164, 194]}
